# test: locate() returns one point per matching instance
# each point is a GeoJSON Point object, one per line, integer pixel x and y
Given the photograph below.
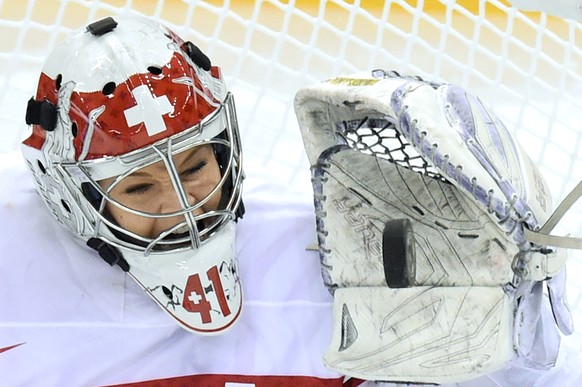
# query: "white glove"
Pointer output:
{"type": "Point", "coordinates": [421, 201]}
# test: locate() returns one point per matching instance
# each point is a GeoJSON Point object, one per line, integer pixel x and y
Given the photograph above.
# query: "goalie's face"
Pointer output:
{"type": "Point", "coordinates": [151, 190]}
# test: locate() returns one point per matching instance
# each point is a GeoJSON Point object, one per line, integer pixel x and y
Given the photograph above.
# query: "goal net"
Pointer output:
{"type": "Point", "coordinates": [527, 66]}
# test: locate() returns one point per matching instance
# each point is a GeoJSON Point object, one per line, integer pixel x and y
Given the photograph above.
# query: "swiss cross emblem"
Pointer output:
{"type": "Point", "coordinates": [149, 109]}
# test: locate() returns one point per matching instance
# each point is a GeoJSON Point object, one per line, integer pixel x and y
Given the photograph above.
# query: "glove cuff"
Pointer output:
{"type": "Point", "coordinates": [434, 335]}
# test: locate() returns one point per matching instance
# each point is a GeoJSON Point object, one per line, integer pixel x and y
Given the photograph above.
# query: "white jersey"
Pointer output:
{"type": "Point", "coordinates": [69, 319]}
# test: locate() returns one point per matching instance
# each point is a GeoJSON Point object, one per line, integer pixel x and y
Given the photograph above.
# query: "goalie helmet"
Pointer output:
{"type": "Point", "coordinates": [117, 98]}
{"type": "Point", "coordinates": [423, 202]}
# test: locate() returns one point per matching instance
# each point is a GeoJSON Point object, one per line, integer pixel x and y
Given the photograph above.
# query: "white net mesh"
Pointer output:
{"type": "Point", "coordinates": [526, 66]}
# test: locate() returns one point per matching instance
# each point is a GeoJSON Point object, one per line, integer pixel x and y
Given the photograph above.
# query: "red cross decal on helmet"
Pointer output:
{"type": "Point", "coordinates": [149, 110]}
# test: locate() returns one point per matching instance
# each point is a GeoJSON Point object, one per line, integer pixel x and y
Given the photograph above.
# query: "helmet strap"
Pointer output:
{"type": "Point", "coordinates": [109, 253]}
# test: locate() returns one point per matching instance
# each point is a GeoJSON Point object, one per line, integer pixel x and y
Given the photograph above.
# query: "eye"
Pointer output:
{"type": "Point", "coordinates": [137, 189]}
{"type": "Point", "coordinates": [195, 169]}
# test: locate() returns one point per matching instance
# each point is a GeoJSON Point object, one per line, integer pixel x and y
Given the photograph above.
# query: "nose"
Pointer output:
{"type": "Point", "coordinates": [170, 201]}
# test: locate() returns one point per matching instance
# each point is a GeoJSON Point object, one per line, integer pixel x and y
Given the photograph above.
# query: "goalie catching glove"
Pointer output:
{"type": "Point", "coordinates": [422, 202]}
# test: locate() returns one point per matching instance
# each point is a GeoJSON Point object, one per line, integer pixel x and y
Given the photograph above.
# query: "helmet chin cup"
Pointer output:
{"type": "Point", "coordinates": [201, 292]}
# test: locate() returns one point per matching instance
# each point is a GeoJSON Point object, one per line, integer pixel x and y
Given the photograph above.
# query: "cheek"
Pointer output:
{"type": "Point", "coordinates": [214, 179]}
{"type": "Point", "coordinates": [214, 203]}
{"type": "Point", "coordinates": [201, 187]}
{"type": "Point", "coordinates": [134, 223]}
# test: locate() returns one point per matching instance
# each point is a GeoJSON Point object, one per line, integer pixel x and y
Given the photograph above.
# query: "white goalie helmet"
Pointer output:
{"type": "Point", "coordinates": [135, 149]}
{"type": "Point", "coordinates": [427, 215]}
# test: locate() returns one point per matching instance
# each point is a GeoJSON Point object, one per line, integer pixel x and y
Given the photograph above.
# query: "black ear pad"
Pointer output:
{"type": "Point", "coordinates": [42, 113]}
{"type": "Point", "coordinates": [198, 57]}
